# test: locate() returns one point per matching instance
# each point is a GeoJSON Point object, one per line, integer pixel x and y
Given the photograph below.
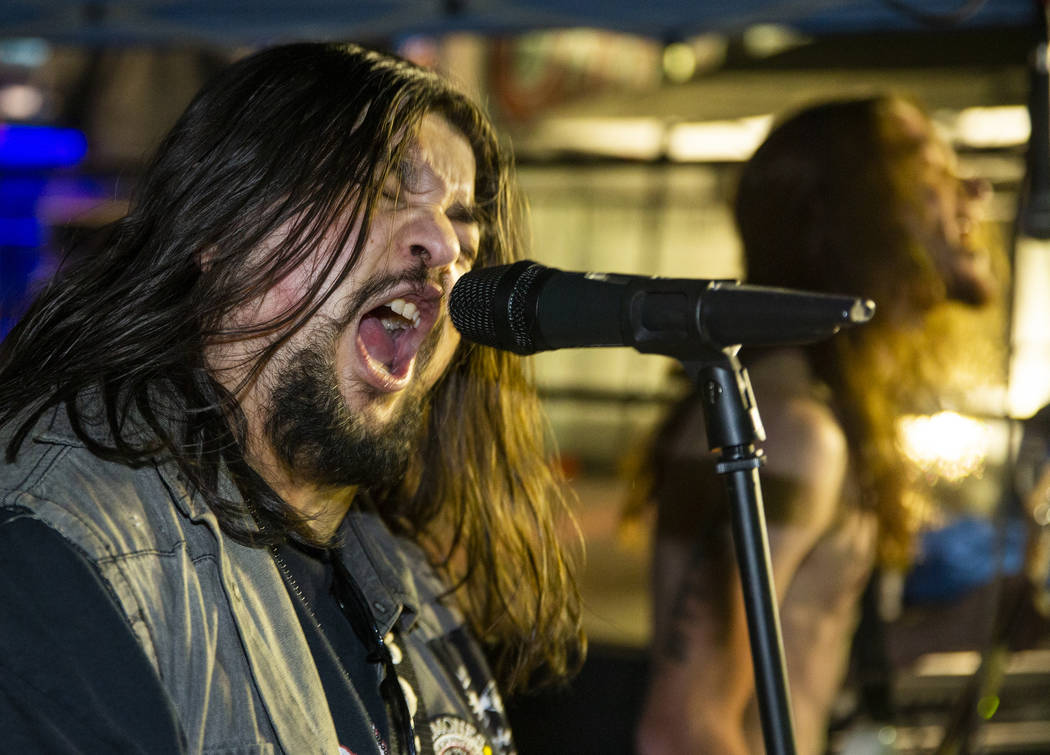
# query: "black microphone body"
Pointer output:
{"type": "Point", "coordinates": [526, 308]}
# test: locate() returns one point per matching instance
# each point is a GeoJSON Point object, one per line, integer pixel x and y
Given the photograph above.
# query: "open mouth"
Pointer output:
{"type": "Point", "coordinates": [389, 338]}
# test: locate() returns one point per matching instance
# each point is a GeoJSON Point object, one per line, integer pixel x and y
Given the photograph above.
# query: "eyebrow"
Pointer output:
{"type": "Point", "coordinates": [410, 171]}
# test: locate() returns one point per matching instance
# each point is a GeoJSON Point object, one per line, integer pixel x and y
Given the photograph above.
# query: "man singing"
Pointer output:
{"type": "Point", "coordinates": [256, 495]}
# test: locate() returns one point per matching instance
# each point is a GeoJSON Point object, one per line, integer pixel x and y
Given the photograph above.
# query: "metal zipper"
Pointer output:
{"type": "Point", "coordinates": [291, 581]}
{"type": "Point", "coordinates": [298, 590]}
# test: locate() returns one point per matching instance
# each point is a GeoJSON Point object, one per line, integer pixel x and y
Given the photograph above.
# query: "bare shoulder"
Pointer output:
{"type": "Point", "coordinates": [804, 439]}
{"type": "Point", "coordinates": [806, 453]}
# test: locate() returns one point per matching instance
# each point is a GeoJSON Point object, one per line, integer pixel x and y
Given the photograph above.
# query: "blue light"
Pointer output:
{"type": "Point", "coordinates": [19, 195]}
{"type": "Point", "coordinates": [40, 146]}
{"type": "Point", "coordinates": [20, 232]}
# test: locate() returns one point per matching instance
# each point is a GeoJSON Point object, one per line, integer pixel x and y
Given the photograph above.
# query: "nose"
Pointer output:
{"type": "Point", "coordinates": [974, 194]}
{"type": "Point", "coordinates": [976, 188]}
{"type": "Point", "coordinates": [432, 238]}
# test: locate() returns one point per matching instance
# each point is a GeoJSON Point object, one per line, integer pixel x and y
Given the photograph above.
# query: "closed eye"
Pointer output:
{"type": "Point", "coordinates": [462, 213]}
{"type": "Point", "coordinates": [467, 256]}
{"type": "Point", "coordinates": [467, 218]}
{"type": "Point", "coordinates": [391, 194]}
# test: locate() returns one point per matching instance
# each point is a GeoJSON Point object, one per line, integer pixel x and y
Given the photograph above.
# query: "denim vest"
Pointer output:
{"type": "Point", "coordinates": [214, 617]}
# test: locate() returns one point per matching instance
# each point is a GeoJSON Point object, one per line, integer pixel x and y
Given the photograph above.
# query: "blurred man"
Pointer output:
{"type": "Point", "coordinates": [256, 493]}
{"type": "Point", "coordinates": [857, 197]}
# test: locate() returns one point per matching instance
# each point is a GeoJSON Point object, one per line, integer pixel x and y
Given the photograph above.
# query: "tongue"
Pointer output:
{"type": "Point", "coordinates": [377, 341]}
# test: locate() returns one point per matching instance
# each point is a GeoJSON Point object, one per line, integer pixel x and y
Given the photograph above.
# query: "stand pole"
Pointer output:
{"type": "Point", "coordinates": [733, 427]}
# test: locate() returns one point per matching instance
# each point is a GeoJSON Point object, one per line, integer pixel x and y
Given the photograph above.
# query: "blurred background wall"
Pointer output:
{"type": "Point", "coordinates": [628, 124]}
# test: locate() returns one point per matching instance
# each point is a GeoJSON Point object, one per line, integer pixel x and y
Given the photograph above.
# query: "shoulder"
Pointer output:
{"type": "Point", "coordinates": [807, 455]}
{"type": "Point", "coordinates": [103, 506]}
{"type": "Point", "coordinates": [804, 438]}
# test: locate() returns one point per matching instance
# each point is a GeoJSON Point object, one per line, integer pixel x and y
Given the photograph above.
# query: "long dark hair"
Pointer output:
{"type": "Point", "coordinates": [300, 137]}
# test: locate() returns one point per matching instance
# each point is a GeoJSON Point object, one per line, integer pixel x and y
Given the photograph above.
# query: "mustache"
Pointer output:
{"type": "Point", "coordinates": [371, 287]}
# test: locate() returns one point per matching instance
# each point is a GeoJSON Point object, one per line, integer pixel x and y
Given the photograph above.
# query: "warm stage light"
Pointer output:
{"type": "Point", "coordinates": [946, 445]}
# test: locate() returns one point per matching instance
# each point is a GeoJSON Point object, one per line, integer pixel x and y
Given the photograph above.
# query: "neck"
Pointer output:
{"type": "Point", "coordinates": [323, 507]}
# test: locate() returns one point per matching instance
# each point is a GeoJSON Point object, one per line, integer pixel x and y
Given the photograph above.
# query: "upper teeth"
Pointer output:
{"type": "Point", "coordinates": [406, 309]}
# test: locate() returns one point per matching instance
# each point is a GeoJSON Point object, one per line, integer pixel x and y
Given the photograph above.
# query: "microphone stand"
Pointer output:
{"type": "Point", "coordinates": [733, 427]}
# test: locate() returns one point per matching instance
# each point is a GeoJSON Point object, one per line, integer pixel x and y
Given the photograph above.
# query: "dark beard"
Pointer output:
{"type": "Point", "coordinates": [316, 437]}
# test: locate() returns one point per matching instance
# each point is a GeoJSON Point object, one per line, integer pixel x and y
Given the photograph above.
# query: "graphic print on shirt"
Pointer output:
{"type": "Point", "coordinates": [463, 660]}
{"type": "Point", "coordinates": [489, 732]}
{"type": "Point", "coordinates": [454, 736]}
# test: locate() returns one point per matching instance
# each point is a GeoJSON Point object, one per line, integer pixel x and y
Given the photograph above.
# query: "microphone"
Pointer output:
{"type": "Point", "coordinates": [526, 307]}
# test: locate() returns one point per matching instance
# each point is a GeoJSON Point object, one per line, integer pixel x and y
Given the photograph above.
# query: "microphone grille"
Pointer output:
{"type": "Point", "coordinates": [490, 306]}
{"type": "Point", "coordinates": [520, 321]}
{"type": "Point", "coordinates": [470, 305]}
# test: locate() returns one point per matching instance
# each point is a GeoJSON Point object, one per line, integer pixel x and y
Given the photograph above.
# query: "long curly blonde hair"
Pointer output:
{"type": "Point", "coordinates": [823, 205]}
